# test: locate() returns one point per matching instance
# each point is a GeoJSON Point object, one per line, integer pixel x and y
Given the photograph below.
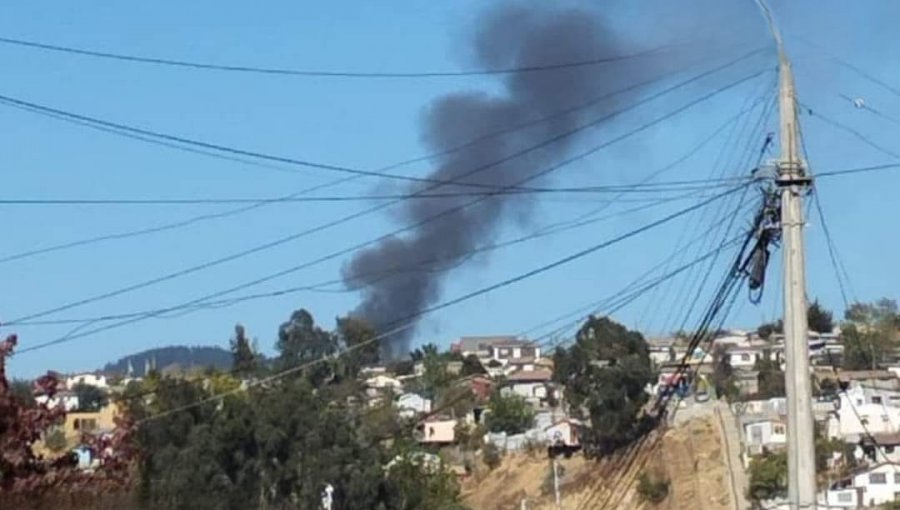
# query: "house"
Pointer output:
{"type": "Point", "coordinates": [67, 399]}
{"type": "Point", "coordinates": [438, 431]}
{"type": "Point", "coordinates": [564, 433]}
{"type": "Point", "coordinates": [410, 405]}
{"type": "Point", "coordinates": [869, 486]}
{"type": "Point", "coordinates": [88, 379]}
{"type": "Point", "coordinates": [744, 358]}
{"type": "Point", "coordinates": [880, 379]}
{"type": "Point", "coordinates": [502, 349]}
{"type": "Point", "coordinates": [764, 434]}
{"type": "Point", "coordinates": [860, 411]}
{"type": "Point", "coordinates": [884, 448]}
{"type": "Point", "coordinates": [104, 420]}
{"type": "Point", "coordinates": [382, 384]}
{"type": "Point", "coordinates": [535, 385]}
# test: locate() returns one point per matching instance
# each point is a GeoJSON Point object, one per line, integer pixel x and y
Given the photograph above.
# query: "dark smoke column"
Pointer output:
{"type": "Point", "coordinates": [511, 36]}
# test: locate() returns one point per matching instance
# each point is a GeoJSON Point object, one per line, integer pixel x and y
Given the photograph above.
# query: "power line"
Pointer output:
{"type": "Point", "coordinates": [237, 151]}
{"type": "Point", "coordinates": [484, 290]}
{"type": "Point", "coordinates": [616, 301]}
{"type": "Point", "coordinates": [843, 127]}
{"type": "Point", "coordinates": [323, 73]}
{"type": "Point", "coordinates": [205, 217]}
{"type": "Point", "coordinates": [662, 187]}
{"type": "Point", "coordinates": [553, 229]}
{"type": "Point", "coordinates": [352, 216]}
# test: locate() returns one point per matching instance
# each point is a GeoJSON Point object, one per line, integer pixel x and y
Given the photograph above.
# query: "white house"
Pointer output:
{"type": "Point", "coordinates": [438, 432]}
{"type": "Point", "coordinates": [66, 399]}
{"type": "Point", "coordinates": [860, 411]}
{"type": "Point", "coordinates": [868, 487]}
{"type": "Point", "coordinates": [744, 358]}
{"type": "Point", "coordinates": [765, 434]}
{"type": "Point", "coordinates": [88, 379]}
{"type": "Point", "coordinates": [532, 385]}
{"type": "Point", "coordinates": [564, 433]}
{"type": "Point", "coordinates": [410, 405]}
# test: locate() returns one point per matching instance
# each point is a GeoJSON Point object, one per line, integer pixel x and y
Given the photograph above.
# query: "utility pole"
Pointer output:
{"type": "Point", "coordinates": [793, 182]}
{"type": "Point", "coordinates": [556, 483]}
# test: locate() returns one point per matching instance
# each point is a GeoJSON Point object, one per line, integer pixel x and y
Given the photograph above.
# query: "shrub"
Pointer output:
{"type": "Point", "coordinates": [491, 456]}
{"type": "Point", "coordinates": [653, 489]}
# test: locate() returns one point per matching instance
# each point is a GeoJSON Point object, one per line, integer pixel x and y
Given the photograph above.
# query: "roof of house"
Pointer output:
{"type": "Point", "coordinates": [476, 343]}
{"type": "Point", "coordinates": [530, 375]}
{"type": "Point", "coordinates": [883, 438]}
{"type": "Point", "coordinates": [857, 375]}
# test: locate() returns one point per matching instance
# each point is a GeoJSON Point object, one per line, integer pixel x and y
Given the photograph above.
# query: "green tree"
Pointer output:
{"type": "Point", "coordinates": [819, 319]}
{"type": "Point", "coordinates": [90, 398]}
{"type": "Point", "coordinates": [770, 379]}
{"type": "Point", "coordinates": [56, 440]}
{"type": "Point", "coordinates": [605, 374]}
{"type": "Point", "coordinates": [768, 476]}
{"type": "Point", "coordinates": [723, 377]}
{"type": "Point", "coordinates": [869, 334]}
{"type": "Point", "coordinates": [244, 360]}
{"type": "Point", "coordinates": [301, 341]}
{"type": "Point", "coordinates": [510, 414]}
{"type": "Point", "coordinates": [360, 338]}
{"type": "Point", "coordinates": [472, 366]}
{"type": "Point", "coordinates": [770, 328]}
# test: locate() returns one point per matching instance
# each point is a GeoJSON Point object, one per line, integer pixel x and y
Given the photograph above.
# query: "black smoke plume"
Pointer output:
{"type": "Point", "coordinates": [509, 36]}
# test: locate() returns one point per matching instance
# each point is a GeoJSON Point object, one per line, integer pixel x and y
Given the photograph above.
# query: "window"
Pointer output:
{"type": "Point", "coordinates": [745, 357]}
{"type": "Point", "coordinates": [845, 497]}
{"type": "Point", "coordinates": [859, 402]}
{"type": "Point", "coordinates": [896, 477]}
{"type": "Point", "coordinates": [876, 400]}
{"type": "Point", "coordinates": [884, 418]}
{"type": "Point", "coordinates": [778, 429]}
{"type": "Point", "coordinates": [877, 478]}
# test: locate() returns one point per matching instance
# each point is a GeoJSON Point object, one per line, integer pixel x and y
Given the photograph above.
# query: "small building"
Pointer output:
{"type": "Point", "coordinates": [438, 431]}
{"type": "Point", "coordinates": [89, 379]}
{"type": "Point", "coordinates": [410, 405]}
{"type": "Point", "coordinates": [535, 386]}
{"type": "Point", "coordinates": [764, 434]}
{"type": "Point", "coordinates": [383, 384]}
{"type": "Point", "coordinates": [66, 399]}
{"type": "Point", "coordinates": [744, 358]}
{"type": "Point", "coordinates": [868, 487]}
{"type": "Point", "coordinates": [564, 433]}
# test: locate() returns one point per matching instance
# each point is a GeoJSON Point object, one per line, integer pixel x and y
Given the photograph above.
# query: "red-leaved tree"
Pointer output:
{"type": "Point", "coordinates": [23, 473]}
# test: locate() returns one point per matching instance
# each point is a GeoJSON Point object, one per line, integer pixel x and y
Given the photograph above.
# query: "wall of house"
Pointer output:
{"type": "Point", "coordinates": [439, 431]}
{"type": "Point", "coordinates": [842, 498]}
{"type": "Point", "coordinates": [879, 418]}
{"type": "Point", "coordinates": [89, 379]}
{"type": "Point", "coordinates": [880, 485]}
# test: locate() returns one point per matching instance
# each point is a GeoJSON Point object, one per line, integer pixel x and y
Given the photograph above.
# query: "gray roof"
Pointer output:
{"type": "Point", "coordinates": [477, 343]}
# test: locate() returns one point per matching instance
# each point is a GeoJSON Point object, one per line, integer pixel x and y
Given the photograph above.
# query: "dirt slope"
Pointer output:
{"type": "Point", "coordinates": [690, 454]}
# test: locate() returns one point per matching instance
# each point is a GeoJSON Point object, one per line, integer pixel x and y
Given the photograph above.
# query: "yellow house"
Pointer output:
{"type": "Point", "coordinates": [78, 423]}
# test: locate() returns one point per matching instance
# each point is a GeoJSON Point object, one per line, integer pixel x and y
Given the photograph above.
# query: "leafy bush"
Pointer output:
{"type": "Point", "coordinates": [653, 489]}
{"type": "Point", "coordinates": [491, 456]}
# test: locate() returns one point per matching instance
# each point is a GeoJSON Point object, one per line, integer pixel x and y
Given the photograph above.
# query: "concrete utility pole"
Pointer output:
{"type": "Point", "coordinates": [793, 181]}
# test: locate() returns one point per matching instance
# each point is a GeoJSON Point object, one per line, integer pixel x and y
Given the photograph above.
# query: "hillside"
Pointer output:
{"type": "Point", "coordinates": [691, 455]}
{"type": "Point", "coordinates": [176, 356]}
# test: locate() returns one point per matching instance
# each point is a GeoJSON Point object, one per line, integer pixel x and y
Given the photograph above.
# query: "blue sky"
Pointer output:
{"type": "Point", "coordinates": [369, 124]}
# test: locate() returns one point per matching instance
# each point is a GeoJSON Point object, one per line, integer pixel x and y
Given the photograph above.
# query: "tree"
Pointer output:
{"type": "Point", "coordinates": [56, 440]}
{"type": "Point", "coordinates": [472, 366]}
{"type": "Point", "coordinates": [770, 328]}
{"type": "Point", "coordinates": [245, 362]}
{"type": "Point", "coordinates": [23, 391]}
{"type": "Point", "coordinates": [510, 414]}
{"type": "Point", "coordinates": [770, 379]}
{"type": "Point", "coordinates": [300, 341]}
{"type": "Point", "coordinates": [870, 333]}
{"type": "Point", "coordinates": [819, 319]}
{"type": "Point", "coordinates": [768, 476]}
{"type": "Point", "coordinates": [605, 374]}
{"type": "Point", "coordinates": [90, 398]}
{"type": "Point", "coordinates": [723, 375]}
{"type": "Point", "coordinates": [491, 456]}
{"type": "Point", "coordinates": [359, 337]}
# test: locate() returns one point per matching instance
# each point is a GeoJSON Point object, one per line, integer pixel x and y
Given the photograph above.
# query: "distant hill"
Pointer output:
{"type": "Point", "coordinates": [177, 357]}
